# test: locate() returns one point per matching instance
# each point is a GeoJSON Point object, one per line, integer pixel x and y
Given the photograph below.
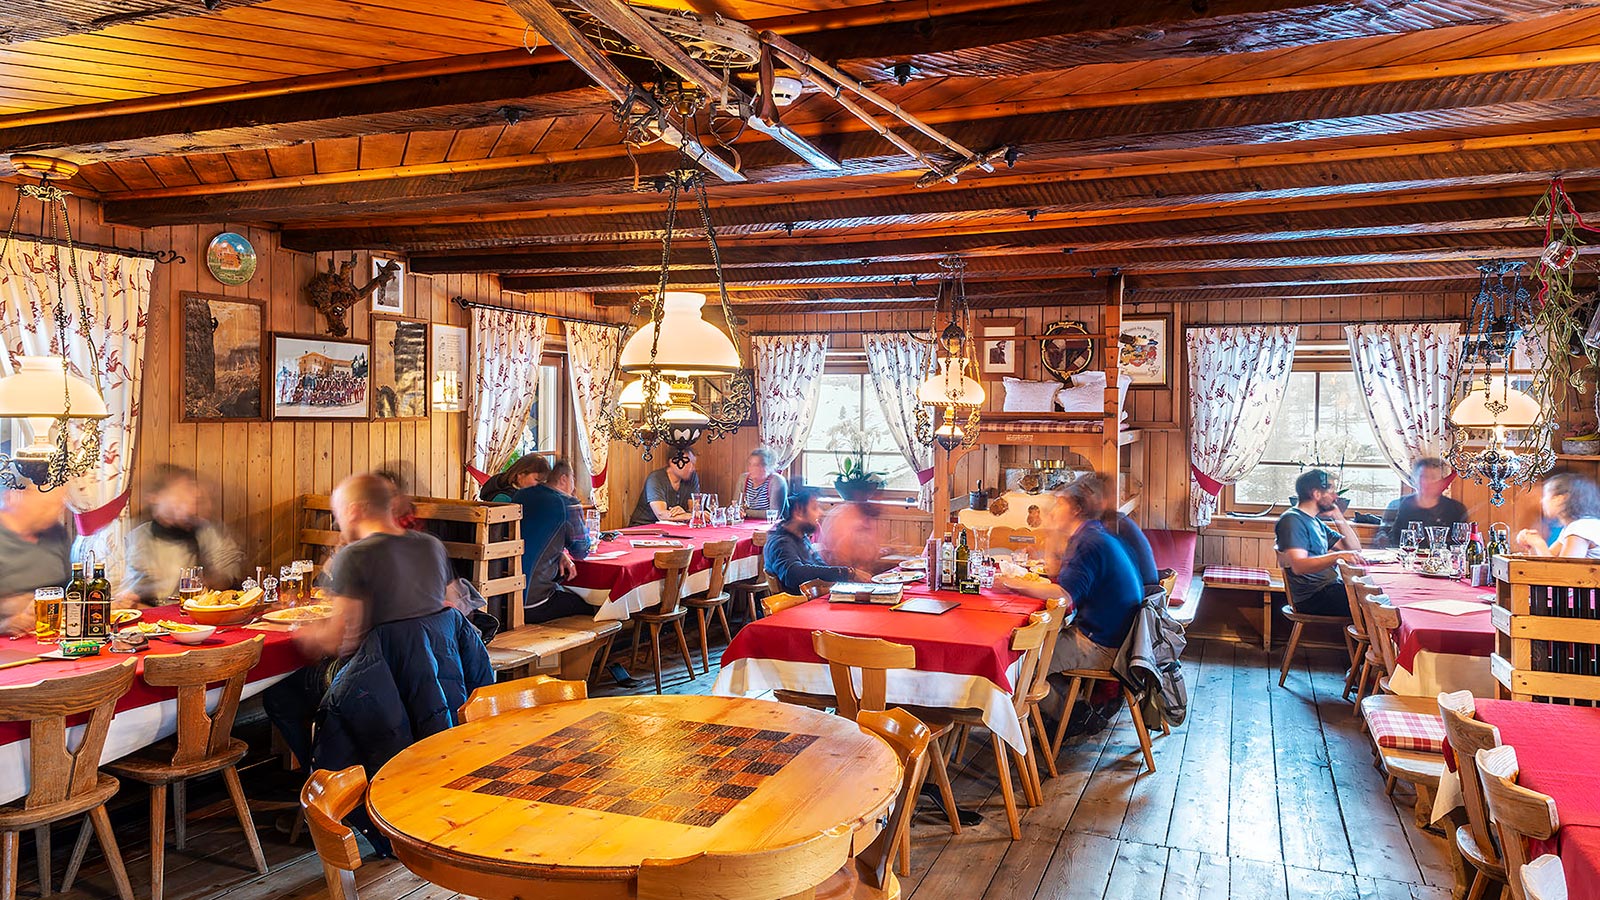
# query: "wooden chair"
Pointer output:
{"type": "Point", "coordinates": [750, 591]}
{"type": "Point", "coordinates": [327, 798]}
{"type": "Point", "coordinates": [910, 737]}
{"type": "Point", "coordinates": [1080, 677]}
{"type": "Point", "coordinates": [868, 660]}
{"type": "Point", "coordinates": [1369, 666]}
{"type": "Point", "coordinates": [1029, 640]}
{"type": "Point", "coordinates": [1519, 814]}
{"type": "Point", "coordinates": [523, 693]}
{"type": "Point", "coordinates": [792, 871]}
{"type": "Point", "coordinates": [715, 599]}
{"type": "Point", "coordinates": [1355, 633]}
{"type": "Point", "coordinates": [205, 744]}
{"type": "Point", "coordinates": [1300, 620]}
{"type": "Point", "coordinates": [1467, 736]}
{"type": "Point", "coordinates": [1544, 879]}
{"type": "Point", "coordinates": [63, 783]}
{"type": "Point", "coordinates": [669, 611]}
{"type": "Point", "coordinates": [776, 603]}
{"type": "Point", "coordinates": [815, 588]}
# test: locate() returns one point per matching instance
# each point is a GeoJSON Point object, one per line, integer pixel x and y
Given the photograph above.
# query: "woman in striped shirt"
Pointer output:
{"type": "Point", "coordinates": [762, 488]}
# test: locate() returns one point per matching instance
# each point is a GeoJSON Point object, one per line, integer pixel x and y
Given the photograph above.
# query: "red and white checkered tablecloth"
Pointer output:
{"type": "Point", "coordinates": [1399, 730]}
{"type": "Point", "coordinates": [1248, 576]}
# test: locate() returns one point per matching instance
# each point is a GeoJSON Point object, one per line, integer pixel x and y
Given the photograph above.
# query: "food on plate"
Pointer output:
{"type": "Point", "coordinates": [1032, 577]}
{"type": "Point", "coordinates": [225, 599]}
{"type": "Point", "coordinates": [176, 627]}
{"type": "Point", "coordinates": [124, 616]}
{"type": "Point", "coordinates": [297, 614]}
{"type": "Point", "coordinates": [146, 628]}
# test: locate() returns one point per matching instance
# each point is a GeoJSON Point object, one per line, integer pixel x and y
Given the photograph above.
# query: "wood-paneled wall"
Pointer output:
{"type": "Point", "coordinates": [256, 471]}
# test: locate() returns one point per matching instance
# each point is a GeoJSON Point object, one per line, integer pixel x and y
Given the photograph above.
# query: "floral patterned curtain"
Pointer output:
{"type": "Point", "coordinates": [1237, 377]}
{"type": "Point", "coordinates": [898, 363]}
{"type": "Point", "coordinates": [788, 373]}
{"type": "Point", "coordinates": [1407, 372]}
{"type": "Point", "coordinates": [591, 357]}
{"type": "Point", "coordinates": [117, 292]}
{"type": "Point", "coordinates": [508, 346]}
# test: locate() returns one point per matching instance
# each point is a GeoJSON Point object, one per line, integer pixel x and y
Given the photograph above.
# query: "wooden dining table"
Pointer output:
{"type": "Point", "coordinates": [145, 714]}
{"type": "Point", "coordinates": [1445, 637]}
{"type": "Point", "coordinates": [964, 656]}
{"type": "Point", "coordinates": [619, 577]}
{"type": "Point", "coordinates": [569, 800]}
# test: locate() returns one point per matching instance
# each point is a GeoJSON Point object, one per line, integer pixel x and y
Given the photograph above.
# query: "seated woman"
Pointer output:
{"type": "Point", "coordinates": [762, 489]}
{"type": "Point", "coordinates": [176, 537]}
{"type": "Point", "coordinates": [1573, 502]}
{"type": "Point", "coordinates": [1100, 582]}
{"type": "Point", "coordinates": [525, 472]}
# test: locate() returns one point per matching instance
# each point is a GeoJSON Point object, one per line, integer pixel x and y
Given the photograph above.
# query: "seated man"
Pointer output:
{"type": "Point", "coordinates": [1099, 581]}
{"type": "Point", "coordinates": [35, 552]}
{"type": "Point", "coordinates": [665, 497]}
{"type": "Point", "coordinates": [177, 537]}
{"type": "Point", "coordinates": [1427, 507]}
{"type": "Point", "coordinates": [1126, 531]}
{"type": "Point", "coordinates": [789, 555]}
{"type": "Point", "coordinates": [553, 534]}
{"type": "Point", "coordinates": [1311, 538]}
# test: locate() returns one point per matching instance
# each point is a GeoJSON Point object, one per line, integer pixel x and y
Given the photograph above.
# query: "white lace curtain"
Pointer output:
{"type": "Point", "coordinates": [788, 383]}
{"type": "Point", "coordinates": [591, 357]}
{"type": "Point", "coordinates": [117, 292]}
{"type": "Point", "coordinates": [1237, 377]}
{"type": "Point", "coordinates": [1407, 372]}
{"type": "Point", "coordinates": [898, 362]}
{"type": "Point", "coordinates": [508, 346]}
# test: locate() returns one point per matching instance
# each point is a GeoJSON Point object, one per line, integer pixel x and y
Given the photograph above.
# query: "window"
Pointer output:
{"type": "Point", "coordinates": [544, 432]}
{"type": "Point", "coordinates": [849, 417]}
{"type": "Point", "coordinates": [1321, 424]}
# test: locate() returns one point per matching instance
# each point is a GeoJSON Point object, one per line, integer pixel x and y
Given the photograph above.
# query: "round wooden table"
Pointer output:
{"type": "Point", "coordinates": [568, 800]}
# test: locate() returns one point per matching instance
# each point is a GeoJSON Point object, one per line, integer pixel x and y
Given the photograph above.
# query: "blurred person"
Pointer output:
{"type": "Point", "coordinates": [1573, 503]}
{"type": "Point", "coordinates": [851, 535]}
{"type": "Point", "coordinates": [1312, 537]}
{"type": "Point", "coordinates": [527, 470]}
{"type": "Point", "coordinates": [553, 535]}
{"type": "Point", "coordinates": [405, 511]}
{"type": "Point", "coordinates": [1125, 530]}
{"type": "Point", "coordinates": [666, 493]}
{"type": "Point", "coordinates": [789, 554]}
{"type": "Point", "coordinates": [387, 584]}
{"type": "Point", "coordinates": [1103, 592]}
{"type": "Point", "coordinates": [35, 552]}
{"type": "Point", "coordinates": [762, 488]}
{"type": "Point", "coordinates": [562, 478]}
{"type": "Point", "coordinates": [176, 537]}
{"type": "Point", "coordinates": [1427, 506]}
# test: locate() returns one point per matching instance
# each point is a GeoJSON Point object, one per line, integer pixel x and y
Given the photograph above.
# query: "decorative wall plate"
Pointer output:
{"type": "Point", "coordinates": [1063, 357]}
{"type": "Point", "coordinates": [230, 258]}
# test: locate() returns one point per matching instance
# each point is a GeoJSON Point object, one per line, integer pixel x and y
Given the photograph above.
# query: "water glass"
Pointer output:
{"type": "Point", "coordinates": [772, 517]}
{"type": "Point", "coordinates": [719, 517]}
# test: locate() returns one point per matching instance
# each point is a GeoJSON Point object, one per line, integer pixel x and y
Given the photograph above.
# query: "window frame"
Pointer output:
{"type": "Point", "coordinates": [845, 362]}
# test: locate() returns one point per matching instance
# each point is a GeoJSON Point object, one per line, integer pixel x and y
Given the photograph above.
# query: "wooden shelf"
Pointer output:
{"type": "Point", "coordinates": [1129, 505]}
{"type": "Point", "coordinates": [1575, 457]}
{"type": "Point", "coordinates": [1129, 436]}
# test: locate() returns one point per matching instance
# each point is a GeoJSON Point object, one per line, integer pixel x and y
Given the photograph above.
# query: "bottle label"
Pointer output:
{"type": "Point", "coordinates": [72, 616]}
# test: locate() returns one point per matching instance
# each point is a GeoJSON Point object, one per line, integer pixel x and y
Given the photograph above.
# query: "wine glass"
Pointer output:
{"type": "Point", "coordinates": [1408, 544]}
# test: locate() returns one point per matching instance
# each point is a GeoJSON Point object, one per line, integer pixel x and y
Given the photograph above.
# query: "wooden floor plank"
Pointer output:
{"type": "Point", "coordinates": [1312, 824]}
{"type": "Point", "coordinates": [1080, 868]}
{"type": "Point", "coordinates": [1256, 879]}
{"type": "Point", "coordinates": [1309, 884]}
{"type": "Point", "coordinates": [1200, 805]}
{"type": "Point", "coordinates": [1192, 875]}
{"type": "Point", "coordinates": [1138, 872]}
{"type": "Point", "coordinates": [1149, 816]}
{"type": "Point", "coordinates": [1105, 801]}
{"type": "Point", "coordinates": [1252, 783]}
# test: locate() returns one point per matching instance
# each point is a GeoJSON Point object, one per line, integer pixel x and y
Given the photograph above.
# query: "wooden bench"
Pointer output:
{"type": "Point", "coordinates": [1269, 582]}
{"type": "Point", "coordinates": [565, 646]}
{"type": "Point", "coordinates": [1174, 550]}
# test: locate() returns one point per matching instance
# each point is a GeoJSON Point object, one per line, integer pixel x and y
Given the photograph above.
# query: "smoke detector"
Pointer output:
{"type": "Point", "coordinates": [786, 90]}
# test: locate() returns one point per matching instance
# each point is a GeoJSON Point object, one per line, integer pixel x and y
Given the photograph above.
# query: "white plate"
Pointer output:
{"type": "Point", "coordinates": [919, 563]}
{"type": "Point", "coordinates": [898, 577]}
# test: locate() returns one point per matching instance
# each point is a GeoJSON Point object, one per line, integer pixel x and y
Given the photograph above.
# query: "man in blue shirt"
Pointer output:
{"type": "Point", "coordinates": [789, 555]}
{"type": "Point", "coordinates": [1311, 538]}
{"type": "Point", "coordinates": [1126, 531]}
{"type": "Point", "coordinates": [553, 535]}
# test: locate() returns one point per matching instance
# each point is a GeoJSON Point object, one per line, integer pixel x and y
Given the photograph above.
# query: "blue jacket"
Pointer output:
{"type": "Point", "coordinates": [404, 683]}
{"type": "Point", "coordinates": [794, 561]}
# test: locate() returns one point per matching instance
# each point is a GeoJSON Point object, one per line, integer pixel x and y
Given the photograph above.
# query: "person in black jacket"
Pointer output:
{"type": "Point", "coordinates": [789, 555]}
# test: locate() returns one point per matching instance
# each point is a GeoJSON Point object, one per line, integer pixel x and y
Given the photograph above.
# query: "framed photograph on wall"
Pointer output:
{"type": "Point", "coordinates": [1146, 350]}
{"type": "Point", "coordinates": [999, 352]}
{"type": "Point", "coordinates": [224, 351]}
{"type": "Point", "coordinates": [390, 297]}
{"type": "Point", "coordinates": [447, 363]}
{"type": "Point", "coordinates": [320, 378]}
{"type": "Point", "coordinates": [399, 368]}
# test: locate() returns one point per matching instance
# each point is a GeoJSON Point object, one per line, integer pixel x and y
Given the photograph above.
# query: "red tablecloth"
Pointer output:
{"type": "Point", "coordinates": [1555, 752]}
{"type": "Point", "coordinates": [972, 640]}
{"type": "Point", "coordinates": [637, 566]}
{"type": "Point", "coordinates": [1421, 629]}
{"type": "Point", "coordinates": [278, 655]}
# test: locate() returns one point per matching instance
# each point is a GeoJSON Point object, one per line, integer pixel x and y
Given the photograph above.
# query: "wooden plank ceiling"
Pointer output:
{"type": "Point", "coordinates": [1236, 148]}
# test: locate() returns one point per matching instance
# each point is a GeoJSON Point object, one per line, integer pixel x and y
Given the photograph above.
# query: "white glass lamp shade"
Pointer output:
{"type": "Point", "coordinates": [689, 344]}
{"type": "Point", "coordinates": [1519, 409]}
{"type": "Point", "coordinates": [35, 391]}
{"type": "Point", "coordinates": [950, 386]}
{"type": "Point", "coordinates": [632, 396]}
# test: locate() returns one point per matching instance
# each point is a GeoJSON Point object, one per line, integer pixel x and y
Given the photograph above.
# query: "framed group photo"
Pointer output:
{"type": "Point", "coordinates": [399, 368]}
{"type": "Point", "coordinates": [320, 378]}
{"type": "Point", "coordinates": [223, 359]}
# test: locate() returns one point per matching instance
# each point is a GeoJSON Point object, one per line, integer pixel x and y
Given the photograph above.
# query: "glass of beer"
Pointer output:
{"type": "Point", "coordinates": [47, 614]}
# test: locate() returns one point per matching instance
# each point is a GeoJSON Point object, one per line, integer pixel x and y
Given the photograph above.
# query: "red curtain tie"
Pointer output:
{"type": "Point", "coordinates": [598, 479]}
{"type": "Point", "coordinates": [1207, 483]}
{"type": "Point", "coordinates": [479, 477]}
{"type": "Point", "coordinates": [924, 476]}
{"type": "Point", "coordinates": [94, 520]}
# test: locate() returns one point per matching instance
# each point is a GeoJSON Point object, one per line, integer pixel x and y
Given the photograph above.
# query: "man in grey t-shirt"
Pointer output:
{"type": "Point", "coordinates": [665, 497]}
{"type": "Point", "coordinates": [35, 552]}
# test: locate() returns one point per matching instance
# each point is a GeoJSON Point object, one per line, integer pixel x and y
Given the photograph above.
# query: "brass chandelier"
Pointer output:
{"type": "Point", "coordinates": [950, 386]}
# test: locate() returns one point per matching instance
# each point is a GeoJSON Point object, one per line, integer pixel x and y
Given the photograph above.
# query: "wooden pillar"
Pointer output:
{"type": "Point", "coordinates": [1110, 329]}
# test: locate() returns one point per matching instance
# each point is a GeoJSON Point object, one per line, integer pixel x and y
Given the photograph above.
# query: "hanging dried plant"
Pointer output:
{"type": "Point", "coordinates": [1564, 316]}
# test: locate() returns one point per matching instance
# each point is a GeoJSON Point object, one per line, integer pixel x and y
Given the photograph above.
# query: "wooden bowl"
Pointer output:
{"type": "Point", "coordinates": [222, 616]}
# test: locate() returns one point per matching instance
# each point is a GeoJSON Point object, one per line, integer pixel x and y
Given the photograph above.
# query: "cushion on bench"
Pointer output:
{"type": "Point", "coordinates": [1397, 730]}
{"type": "Point", "coordinates": [1174, 550]}
{"type": "Point", "coordinates": [1246, 576]}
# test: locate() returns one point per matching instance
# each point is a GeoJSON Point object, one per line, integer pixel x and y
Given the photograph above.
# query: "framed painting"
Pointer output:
{"type": "Point", "coordinates": [1146, 350]}
{"type": "Point", "coordinates": [999, 351]}
{"type": "Point", "coordinates": [223, 359]}
{"type": "Point", "coordinates": [390, 297]}
{"type": "Point", "coordinates": [320, 378]}
{"type": "Point", "coordinates": [399, 368]}
{"type": "Point", "coordinates": [447, 361]}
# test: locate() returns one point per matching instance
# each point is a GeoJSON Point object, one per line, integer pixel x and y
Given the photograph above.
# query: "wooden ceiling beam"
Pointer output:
{"type": "Point", "coordinates": [32, 20]}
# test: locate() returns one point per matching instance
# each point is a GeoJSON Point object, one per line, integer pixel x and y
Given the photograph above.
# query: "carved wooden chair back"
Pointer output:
{"type": "Point", "coordinates": [676, 564]}
{"type": "Point", "coordinates": [57, 774]}
{"type": "Point", "coordinates": [521, 693]}
{"type": "Point", "coordinates": [202, 734]}
{"type": "Point", "coordinates": [327, 798]}
{"type": "Point", "coordinates": [1519, 814]}
{"type": "Point", "coordinates": [872, 657]}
